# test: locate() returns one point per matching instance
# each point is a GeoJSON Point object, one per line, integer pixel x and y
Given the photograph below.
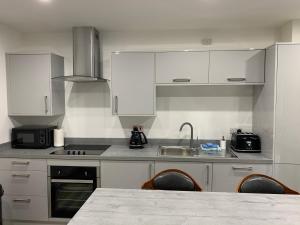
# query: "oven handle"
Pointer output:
{"type": "Point", "coordinates": [72, 181]}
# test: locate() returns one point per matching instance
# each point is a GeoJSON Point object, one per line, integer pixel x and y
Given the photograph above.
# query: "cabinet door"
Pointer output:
{"type": "Point", "coordinates": [200, 172]}
{"type": "Point", "coordinates": [288, 174]}
{"type": "Point", "coordinates": [28, 84]}
{"type": "Point", "coordinates": [133, 84]}
{"type": "Point", "coordinates": [234, 67]}
{"type": "Point", "coordinates": [125, 174]}
{"type": "Point", "coordinates": [287, 135]}
{"type": "Point", "coordinates": [226, 176]}
{"type": "Point", "coordinates": [182, 67]}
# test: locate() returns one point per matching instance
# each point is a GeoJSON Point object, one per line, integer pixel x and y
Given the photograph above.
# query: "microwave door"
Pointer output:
{"type": "Point", "coordinates": [24, 138]}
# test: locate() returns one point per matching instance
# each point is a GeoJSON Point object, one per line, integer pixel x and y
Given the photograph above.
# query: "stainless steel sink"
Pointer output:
{"type": "Point", "coordinates": [177, 151]}
{"type": "Point", "coordinates": [185, 151]}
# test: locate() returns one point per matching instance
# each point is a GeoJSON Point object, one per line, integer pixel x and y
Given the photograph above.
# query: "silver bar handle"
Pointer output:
{"type": "Point", "coordinates": [181, 80]}
{"type": "Point", "coordinates": [116, 104]}
{"type": "Point", "coordinates": [21, 175]}
{"type": "Point", "coordinates": [20, 163]}
{"type": "Point", "coordinates": [72, 181]}
{"type": "Point", "coordinates": [46, 104]}
{"type": "Point", "coordinates": [248, 168]}
{"type": "Point", "coordinates": [150, 170]}
{"type": "Point", "coordinates": [207, 175]}
{"type": "Point", "coordinates": [28, 200]}
{"type": "Point", "coordinates": [236, 79]}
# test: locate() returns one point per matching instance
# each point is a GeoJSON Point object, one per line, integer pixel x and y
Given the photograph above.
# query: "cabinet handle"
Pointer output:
{"type": "Point", "coordinates": [116, 104]}
{"type": "Point", "coordinates": [28, 200]}
{"type": "Point", "coordinates": [207, 175]}
{"type": "Point", "coordinates": [183, 80]}
{"type": "Point", "coordinates": [46, 104]}
{"type": "Point", "coordinates": [21, 175]}
{"type": "Point", "coordinates": [248, 168]}
{"type": "Point", "coordinates": [150, 170]}
{"type": "Point", "coordinates": [236, 79]}
{"type": "Point", "coordinates": [20, 163]}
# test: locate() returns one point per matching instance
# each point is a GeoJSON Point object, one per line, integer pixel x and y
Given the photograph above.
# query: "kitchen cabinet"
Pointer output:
{"type": "Point", "coordinates": [182, 67]}
{"type": "Point", "coordinates": [133, 90]}
{"type": "Point", "coordinates": [25, 189]}
{"type": "Point", "coordinates": [30, 88]}
{"type": "Point", "coordinates": [227, 176]}
{"type": "Point", "coordinates": [237, 67]}
{"type": "Point", "coordinates": [125, 174]}
{"type": "Point", "coordinates": [200, 172]}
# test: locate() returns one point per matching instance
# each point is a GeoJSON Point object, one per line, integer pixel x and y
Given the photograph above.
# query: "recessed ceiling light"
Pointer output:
{"type": "Point", "coordinates": [45, 1]}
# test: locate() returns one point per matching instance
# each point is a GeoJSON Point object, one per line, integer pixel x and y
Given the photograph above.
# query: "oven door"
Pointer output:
{"type": "Point", "coordinates": [67, 196]}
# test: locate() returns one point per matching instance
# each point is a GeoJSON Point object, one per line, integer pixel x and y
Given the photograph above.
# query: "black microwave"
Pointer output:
{"type": "Point", "coordinates": [32, 137]}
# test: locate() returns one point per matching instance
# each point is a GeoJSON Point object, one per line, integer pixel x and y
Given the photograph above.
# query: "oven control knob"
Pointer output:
{"type": "Point", "coordinates": [78, 153]}
{"type": "Point", "coordinates": [83, 153]}
{"type": "Point", "coordinates": [85, 173]}
{"type": "Point", "coordinates": [73, 152]}
{"type": "Point", "coordinates": [68, 152]}
{"type": "Point", "coordinates": [58, 172]}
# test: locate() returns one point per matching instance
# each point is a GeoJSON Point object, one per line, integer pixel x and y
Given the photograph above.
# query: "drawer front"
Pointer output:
{"type": "Point", "coordinates": [24, 183]}
{"type": "Point", "coordinates": [226, 177]}
{"type": "Point", "coordinates": [16, 207]}
{"type": "Point", "coordinates": [23, 164]}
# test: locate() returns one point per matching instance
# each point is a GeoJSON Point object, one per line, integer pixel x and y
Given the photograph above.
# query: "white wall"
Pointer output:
{"type": "Point", "coordinates": [9, 41]}
{"type": "Point", "coordinates": [290, 32]}
{"type": "Point", "coordinates": [213, 110]}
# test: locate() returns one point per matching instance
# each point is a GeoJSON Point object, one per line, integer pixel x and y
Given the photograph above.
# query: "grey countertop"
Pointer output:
{"type": "Point", "coordinates": [148, 207]}
{"type": "Point", "coordinates": [122, 152]}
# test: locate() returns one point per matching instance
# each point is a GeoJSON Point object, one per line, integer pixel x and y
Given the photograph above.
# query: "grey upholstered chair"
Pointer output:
{"type": "Point", "coordinates": [259, 183]}
{"type": "Point", "coordinates": [172, 179]}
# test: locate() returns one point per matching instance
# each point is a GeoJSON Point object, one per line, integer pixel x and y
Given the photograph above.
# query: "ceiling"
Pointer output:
{"type": "Point", "coordinates": [117, 15]}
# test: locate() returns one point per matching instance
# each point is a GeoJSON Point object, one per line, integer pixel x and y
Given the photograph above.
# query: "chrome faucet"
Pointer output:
{"type": "Point", "coordinates": [192, 132]}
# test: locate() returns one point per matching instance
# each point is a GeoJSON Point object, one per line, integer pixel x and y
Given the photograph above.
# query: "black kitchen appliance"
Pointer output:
{"type": "Point", "coordinates": [1, 194]}
{"type": "Point", "coordinates": [76, 150]}
{"type": "Point", "coordinates": [138, 138]}
{"type": "Point", "coordinates": [70, 187]}
{"type": "Point", "coordinates": [36, 137]}
{"type": "Point", "coordinates": [245, 142]}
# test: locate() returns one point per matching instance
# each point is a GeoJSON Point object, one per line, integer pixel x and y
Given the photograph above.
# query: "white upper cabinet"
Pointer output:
{"type": "Point", "coordinates": [133, 88]}
{"type": "Point", "coordinates": [30, 89]}
{"type": "Point", "coordinates": [237, 67]}
{"type": "Point", "coordinates": [182, 67]}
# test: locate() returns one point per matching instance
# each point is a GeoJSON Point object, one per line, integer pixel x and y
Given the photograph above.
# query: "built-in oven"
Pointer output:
{"type": "Point", "coordinates": [69, 188]}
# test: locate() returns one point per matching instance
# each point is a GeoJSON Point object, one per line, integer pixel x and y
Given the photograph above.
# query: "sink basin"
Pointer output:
{"type": "Point", "coordinates": [177, 151]}
{"type": "Point", "coordinates": [185, 151]}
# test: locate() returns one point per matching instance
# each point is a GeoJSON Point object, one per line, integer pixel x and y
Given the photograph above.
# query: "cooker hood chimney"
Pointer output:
{"type": "Point", "coordinates": [86, 56]}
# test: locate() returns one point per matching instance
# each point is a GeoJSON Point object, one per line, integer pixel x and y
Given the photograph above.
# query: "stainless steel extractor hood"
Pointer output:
{"type": "Point", "coordinates": [86, 56]}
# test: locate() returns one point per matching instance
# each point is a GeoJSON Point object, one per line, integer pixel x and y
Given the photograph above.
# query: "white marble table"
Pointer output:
{"type": "Point", "coordinates": [141, 207]}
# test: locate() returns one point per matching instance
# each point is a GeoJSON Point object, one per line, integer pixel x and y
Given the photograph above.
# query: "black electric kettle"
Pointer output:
{"type": "Point", "coordinates": [138, 138]}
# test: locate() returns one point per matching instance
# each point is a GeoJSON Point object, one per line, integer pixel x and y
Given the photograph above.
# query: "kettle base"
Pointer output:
{"type": "Point", "coordinates": [136, 146]}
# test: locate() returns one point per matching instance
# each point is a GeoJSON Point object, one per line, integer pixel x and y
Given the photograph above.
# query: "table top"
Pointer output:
{"type": "Point", "coordinates": [153, 207]}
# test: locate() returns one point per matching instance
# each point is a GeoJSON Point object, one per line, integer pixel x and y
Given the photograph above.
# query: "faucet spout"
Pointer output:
{"type": "Point", "coordinates": [192, 132]}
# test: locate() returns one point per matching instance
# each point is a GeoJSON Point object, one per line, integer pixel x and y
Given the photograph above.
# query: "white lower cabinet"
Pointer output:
{"type": "Point", "coordinates": [125, 174]}
{"type": "Point", "coordinates": [227, 176]}
{"type": "Point", "coordinates": [288, 174]}
{"type": "Point", "coordinates": [24, 182]}
{"type": "Point", "coordinates": [200, 172]}
{"type": "Point", "coordinates": [25, 207]}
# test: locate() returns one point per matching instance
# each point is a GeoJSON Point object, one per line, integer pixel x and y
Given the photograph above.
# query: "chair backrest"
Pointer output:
{"type": "Point", "coordinates": [172, 179]}
{"type": "Point", "coordinates": [260, 183]}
